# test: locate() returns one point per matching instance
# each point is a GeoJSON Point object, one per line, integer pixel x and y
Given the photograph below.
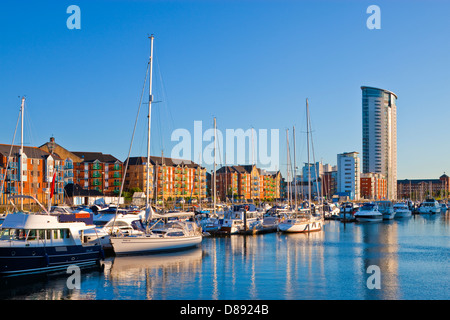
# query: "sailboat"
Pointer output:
{"type": "Point", "coordinates": [175, 235]}
{"type": "Point", "coordinates": [303, 222]}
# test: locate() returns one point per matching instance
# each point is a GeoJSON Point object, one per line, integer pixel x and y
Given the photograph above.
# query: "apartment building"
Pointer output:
{"type": "Point", "coordinates": [379, 136]}
{"type": "Point", "coordinates": [373, 186]}
{"type": "Point", "coordinates": [420, 189]}
{"type": "Point", "coordinates": [169, 178]}
{"type": "Point", "coordinates": [348, 175]}
{"type": "Point", "coordinates": [98, 171]}
{"type": "Point", "coordinates": [30, 172]}
{"type": "Point", "coordinates": [247, 182]}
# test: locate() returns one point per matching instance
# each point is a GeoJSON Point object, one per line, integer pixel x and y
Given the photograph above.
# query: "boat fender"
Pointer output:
{"type": "Point", "coordinates": [246, 208]}
{"type": "Point", "coordinates": [47, 259]}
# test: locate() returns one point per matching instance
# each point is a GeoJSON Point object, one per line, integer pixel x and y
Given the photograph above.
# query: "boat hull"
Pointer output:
{"type": "Point", "coordinates": [403, 214]}
{"type": "Point", "coordinates": [31, 260]}
{"type": "Point", "coordinates": [136, 245]}
{"type": "Point", "coordinates": [369, 218]}
{"type": "Point", "coordinates": [300, 227]}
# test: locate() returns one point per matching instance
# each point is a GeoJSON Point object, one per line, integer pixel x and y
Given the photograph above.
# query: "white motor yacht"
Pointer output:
{"type": "Point", "coordinates": [239, 218]}
{"type": "Point", "coordinates": [368, 212]}
{"type": "Point", "coordinates": [402, 210]}
{"type": "Point", "coordinates": [387, 209]}
{"type": "Point", "coordinates": [40, 243]}
{"type": "Point", "coordinates": [430, 206]}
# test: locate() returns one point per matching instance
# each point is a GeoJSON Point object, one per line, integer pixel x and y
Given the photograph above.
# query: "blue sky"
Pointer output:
{"type": "Point", "coordinates": [247, 63]}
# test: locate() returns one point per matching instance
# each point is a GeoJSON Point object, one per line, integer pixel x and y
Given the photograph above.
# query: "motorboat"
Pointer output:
{"type": "Point", "coordinates": [368, 212]}
{"type": "Point", "coordinates": [444, 207]}
{"type": "Point", "coordinates": [387, 209]}
{"type": "Point", "coordinates": [402, 210]}
{"type": "Point", "coordinates": [268, 223]}
{"type": "Point", "coordinates": [239, 218]}
{"type": "Point", "coordinates": [102, 215]}
{"type": "Point", "coordinates": [123, 224]}
{"type": "Point", "coordinates": [331, 211]}
{"type": "Point", "coordinates": [430, 206]}
{"type": "Point", "coordinates": [41, 243]}
{"type": "Point", "coordinates": [297, 223]}
{"type": "Point", "coordinates": [347, 211]}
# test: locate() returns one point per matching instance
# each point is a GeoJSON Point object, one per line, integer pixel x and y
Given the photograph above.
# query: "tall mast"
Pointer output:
{"type": "Point", "coordinates": [149, 122]}
{"type": "Point", "coordinates": [21, 153]}
{"type": "Point", "coordinates": [309, 166]}
{"type": "Point", "coordinates": [288, 165]}
{"type": "Point", "coordinates": [295, 170]}
{"type": "Point", "coordinates": [214, 166]}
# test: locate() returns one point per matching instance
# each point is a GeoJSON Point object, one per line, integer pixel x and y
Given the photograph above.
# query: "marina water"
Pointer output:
{"type": "Point", "coordinates": [412, 256]}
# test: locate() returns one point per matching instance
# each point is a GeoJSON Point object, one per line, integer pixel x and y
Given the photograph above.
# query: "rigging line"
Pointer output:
{"type": "Point", "coordinates": [163, 90]}
{"type": "Point", "coordinates": [131, 145]}
{"type": "Point", "coordinates": [9, 156]}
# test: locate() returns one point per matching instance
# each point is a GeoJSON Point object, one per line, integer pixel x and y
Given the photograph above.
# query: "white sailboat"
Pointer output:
{"type": "Point", "coordinates": [303, 222]}
{"type": "Point", "coordinates": [175, 235]}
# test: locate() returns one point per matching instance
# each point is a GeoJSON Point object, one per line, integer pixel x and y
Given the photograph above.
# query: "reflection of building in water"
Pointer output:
{"type": "Point", "coordinates": [380, 248]}
{"type": "Point", "coordinates": [149, 273]}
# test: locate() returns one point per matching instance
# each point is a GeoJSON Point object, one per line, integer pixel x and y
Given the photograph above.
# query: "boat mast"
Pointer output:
{"type": "Point", "coordinates": [288, 166]}
{"type": "Point", "coordinates": [309, 166]}
{"type": "Point", "coordinates": [215, 166]}
{"type": "Point", "coordinates": [147, 199]}
{"type": "Point", "coordinates": [21, 153]}
{"type": "Point", "coordinates": [295, 169]}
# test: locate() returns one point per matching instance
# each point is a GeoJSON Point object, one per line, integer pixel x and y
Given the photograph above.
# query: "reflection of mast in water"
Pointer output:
{"type": "Point", "coordinates": [153, 271]}
{"type": "Point", "coordinates": [304, 262]}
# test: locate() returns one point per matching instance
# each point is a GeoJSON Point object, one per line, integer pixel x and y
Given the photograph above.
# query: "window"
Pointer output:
{"type": "Point", "coordinates": [32, 235]}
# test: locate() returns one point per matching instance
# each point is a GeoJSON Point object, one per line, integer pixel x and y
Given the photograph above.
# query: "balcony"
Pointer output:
{"type": "Point", "coordinates": [96, 174]}
{"type": "Point", "coordinates": [96, 166]}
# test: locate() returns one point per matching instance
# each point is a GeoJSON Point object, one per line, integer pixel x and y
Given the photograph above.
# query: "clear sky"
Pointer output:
{"type": "Point", "coordinates": [247, 63]}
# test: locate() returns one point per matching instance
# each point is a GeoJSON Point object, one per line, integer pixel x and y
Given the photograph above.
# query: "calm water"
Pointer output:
{"type": "Point", "coordinates": [413, 257]}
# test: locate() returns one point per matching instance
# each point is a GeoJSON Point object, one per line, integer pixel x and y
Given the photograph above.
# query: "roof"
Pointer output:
{"type": "Point", "coordinates": [30, 152]}
{"type": "Point", "coordinates": [416, 181]}
{"type": "Point", "coordinates": [163, 160]}
{"type": "Point", "coordinates": [384, 90]}
{"type": "Point", "coordinates": [92, 156]}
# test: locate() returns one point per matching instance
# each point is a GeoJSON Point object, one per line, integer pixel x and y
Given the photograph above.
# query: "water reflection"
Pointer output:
{"type": "Point", "coordinates": [412, 255]}
{"type": "Point", "coordinates": [152, 276]}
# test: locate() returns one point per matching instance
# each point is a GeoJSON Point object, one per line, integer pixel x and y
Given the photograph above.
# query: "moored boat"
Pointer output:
{"type": "Point", "coordinates": [387, 209]}
{"type": "Point", "coordinates": [402, 210]}
{"type": "Point", "coordinates": [430, 206]}
{"type": "Point", "coordinates": [368, 212]}
{"type": "Point", "coordinates": [41, 243]}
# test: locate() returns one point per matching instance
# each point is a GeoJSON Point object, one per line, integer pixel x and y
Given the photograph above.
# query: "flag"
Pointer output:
{"type": "Point", "coordinates": [53, 185]}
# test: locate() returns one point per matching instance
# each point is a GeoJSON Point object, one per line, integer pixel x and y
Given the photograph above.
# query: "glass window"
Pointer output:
{"type": "Point", "coordinates": [32, 235]}
{"type": "Point", "coordinates": [41, 234]}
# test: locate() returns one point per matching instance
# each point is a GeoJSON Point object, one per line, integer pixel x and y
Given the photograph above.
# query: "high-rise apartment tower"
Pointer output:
{"type": "Point", "coordinates": [379, 136]}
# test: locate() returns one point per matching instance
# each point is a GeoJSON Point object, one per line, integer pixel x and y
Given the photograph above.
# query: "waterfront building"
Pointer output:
{"type": "Point", "coordinates": [169, 178]}
{"type": "Point", "coordinates": [348, 175]}
{"type": "Point", "coordinates": [69, 159]}
{"type": "Point", "coordinates": [379, 135]}
{"type": "Point", "coordinates": [420, 189]}
{"type": "Point", "coordinates": [98, 171]}
{"type": "Point", "coordinates": [373, 186]}
{"type": "Point", "coordinates": [247, 182]}
{"type": "Point", "coordinates": [34, 170]}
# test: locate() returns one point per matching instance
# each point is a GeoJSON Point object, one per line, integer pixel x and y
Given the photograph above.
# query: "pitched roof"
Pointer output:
{"type": "Point", "coordinates": [160, 160]}
{"type": "Point", "coordinates": [92, 156]}
{"type": "Point", "coordinates": [30, 152]}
